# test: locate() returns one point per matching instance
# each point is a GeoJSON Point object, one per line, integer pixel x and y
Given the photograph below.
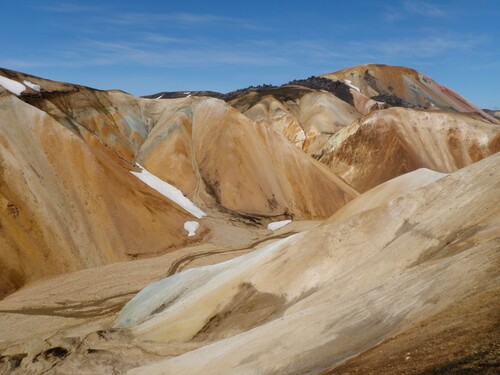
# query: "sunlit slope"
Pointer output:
{"type": "Point", "coordinates": [390, 84]}
{"type": "Point", "coordinates": [391, 142]}
{"type": "Point", "coordinates": [320, 297]}
{"type": "Point", "coordinates": [68, 204]}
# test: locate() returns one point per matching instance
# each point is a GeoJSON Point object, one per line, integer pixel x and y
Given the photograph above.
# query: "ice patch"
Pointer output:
{"type": "Point", "coordinates": [278, 224]}
{"type": "Point", "coordinates": [348, 83]}
{"type": "Point", "coordinates": [11, 85]}
{"type": "Point", "coordinates": [31, 85]}
{"type": "Point", "coordinates": [169, 191]}
{"type": "Point", "coordinates": [191, 227]}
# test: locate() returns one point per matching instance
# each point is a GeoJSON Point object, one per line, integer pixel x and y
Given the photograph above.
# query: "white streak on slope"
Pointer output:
{"type": "Point", "coordinates": [11, 85]}
{"type": "Point", "coordinates": [169, 191]}
{"type": "Point", "coordinates": [31, 85]}
{"type": "Point", "coordinates": [278, 224]}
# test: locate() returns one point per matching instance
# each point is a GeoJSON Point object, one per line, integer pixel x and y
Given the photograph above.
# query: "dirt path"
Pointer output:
{"type": "Point", "coordinates": [184, 261]}
{"type": "Point", "coordinates": [82, 310]}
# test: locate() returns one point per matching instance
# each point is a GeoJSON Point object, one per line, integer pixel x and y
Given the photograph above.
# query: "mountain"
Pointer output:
{"type": "Point", "coordinates": [69, 204]}
{"type": "Point", "coordinates": [404, 87]}
{"type": "Point", "coordinates": [345, 223]}
{"type": "Point", "coordinates": [390, 143]}
{"type": "Point", "coordinates": [83, 144]}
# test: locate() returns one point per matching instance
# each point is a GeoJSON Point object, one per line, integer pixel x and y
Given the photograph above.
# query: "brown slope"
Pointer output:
{"type": "Point", "coordinates": [223, 158]}
{"type": "Point", "coordinates": [66, 204]}
{"type": "Point", "coordinates": [109, 129]}
{"type": "Point", "coordinates": [392, 142]}
{"type": "Point", "coordinates": [385, 82]}
{"type": "Point", "coordinates": [149, 131]}
{"type": "Point", "coordinates": [94, 115]}
{"type": "Point", "coordinates": [462, 339]}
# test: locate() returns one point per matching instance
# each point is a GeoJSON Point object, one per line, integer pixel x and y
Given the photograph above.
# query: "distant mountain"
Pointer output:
{"type": "Point", "coordinates": [406, 86]}
{"type": "Point", "coordinates": [493, 112]}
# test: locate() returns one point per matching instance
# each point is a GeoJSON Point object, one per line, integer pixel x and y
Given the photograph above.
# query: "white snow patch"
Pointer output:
{"type": "Point", "coordinates": [191, 227]}
{"type": "Point", "coordinates": [11, 85]}
{"type": "Point", "coordinates": [349, 83]}
{"type": "Point", "coordinates": [169, 191]}
{"type": "Point", "coordinates": [31, 85]}
{"type": "Point", "coordinates": [278, 224]}
{"type": "Point", "coordinates": [161, 96]}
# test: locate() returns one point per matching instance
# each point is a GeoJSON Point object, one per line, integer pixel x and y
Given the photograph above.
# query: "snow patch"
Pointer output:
{"type": "Point", "coordinates": [349, 83]}
{"type": "Point", "coordinates": [31, 85]}
{"type": "Point", "coordinates": [161, 96]}
{"type": "Point", "coordinates": [191, 227]}
{"type": "Point", "coordinates": [169, 191]}
{"type": "Point", "coordinates": [278, 224]}
{"type": "Point", "coordinates": [11, 85]}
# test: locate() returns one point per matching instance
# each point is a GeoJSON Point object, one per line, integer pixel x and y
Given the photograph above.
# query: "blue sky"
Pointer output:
{"type": "Point", "coordinates": [144, 47]}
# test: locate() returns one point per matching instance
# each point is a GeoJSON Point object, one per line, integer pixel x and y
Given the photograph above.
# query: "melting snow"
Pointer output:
{"type": "Point", "coordinates": [11, 85]}
{"type": "Point", "coordinates": [169, 191]}
{"type": "Point", "coordinates": [191, 227]}
{"type": "Point", "coordinates": [349, 83]}
{"type": "Point", "coordinates": [278, 224]}
{"type": "Point", "coordinates": [31, 85]}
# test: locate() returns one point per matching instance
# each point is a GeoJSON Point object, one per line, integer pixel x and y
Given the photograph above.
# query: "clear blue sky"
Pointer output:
{"type": "Point", "coordinates": [144, 47]}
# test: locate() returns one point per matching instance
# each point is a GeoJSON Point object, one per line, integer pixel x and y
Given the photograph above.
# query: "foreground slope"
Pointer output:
{"type": "Point", "coordinates": [320, 297]}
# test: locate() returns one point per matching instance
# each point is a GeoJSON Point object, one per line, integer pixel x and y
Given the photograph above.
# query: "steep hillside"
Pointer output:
{"type": "Point", "coordinates": [401, 86]}
{"type": "Point", "coordinates": [67, 204]}
{"type": "Point", "coordinates": [391, 142]}
{"type": "Point", "coordinates": [229, 161]}
{"type": "Point", "coordinates": [307, 121]}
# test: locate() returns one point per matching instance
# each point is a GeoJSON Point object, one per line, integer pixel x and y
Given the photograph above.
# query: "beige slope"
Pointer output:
{"type": "Point", "coordinates": [74, 311]}
{"type": "Point", "coordinates": [412, 86]}
{"type": "Point", "coordinates": [387, 191]}
{"type": "Point", "coordinates": [391, 142]}
{"type": "Point", "coordinates": [271, 112]}
{"type": "Point", "coordinates": [66, 204]}
{"type": "Point", "coordinates": [307, 120]}
{"type": "Point", "coordinates": [226, 160]}
{"type": "Point", "coordinates": [320, 297]}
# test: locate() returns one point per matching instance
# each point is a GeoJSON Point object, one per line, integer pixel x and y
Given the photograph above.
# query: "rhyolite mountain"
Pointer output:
{"type": "Point", "coordinates": [134, 232]}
